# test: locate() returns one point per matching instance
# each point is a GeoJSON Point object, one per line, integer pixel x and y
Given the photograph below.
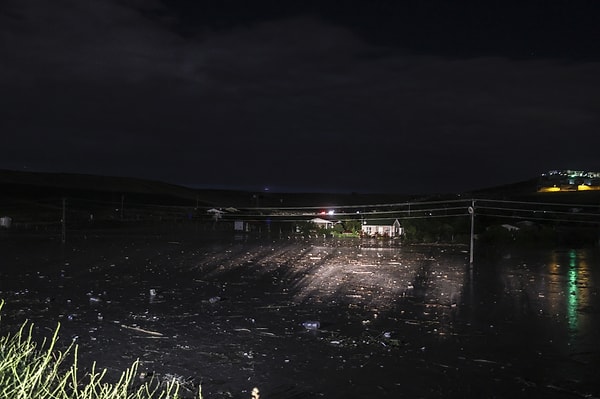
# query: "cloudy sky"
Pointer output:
{"type": "Point", "coordinates": [347, 96]}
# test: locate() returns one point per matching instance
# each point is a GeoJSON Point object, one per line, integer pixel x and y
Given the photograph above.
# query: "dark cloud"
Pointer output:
{"type": "Point", "coordinates": [301, 101]}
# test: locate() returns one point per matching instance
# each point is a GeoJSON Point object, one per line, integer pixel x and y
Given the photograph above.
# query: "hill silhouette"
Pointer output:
{"type": "Point", "coordinates": [33, 197]}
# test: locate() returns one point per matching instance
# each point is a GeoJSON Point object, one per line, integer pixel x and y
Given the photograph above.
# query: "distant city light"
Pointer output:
{"type": "Point", "coordinates": [569, 180]}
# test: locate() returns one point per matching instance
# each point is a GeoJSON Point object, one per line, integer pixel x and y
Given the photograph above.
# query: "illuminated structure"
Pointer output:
{"type": "Point", "coordinates": [569, 180]}
{"type": "Point", "coordinates": [382, 228]}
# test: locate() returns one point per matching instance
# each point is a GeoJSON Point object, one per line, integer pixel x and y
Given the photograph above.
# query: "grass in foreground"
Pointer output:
{"type": "Point", "coordinates": [29, 370]}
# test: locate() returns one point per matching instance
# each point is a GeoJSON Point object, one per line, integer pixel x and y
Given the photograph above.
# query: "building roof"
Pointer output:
{"type": "Point", "coordinates": [380, 222]}
{"type": "Point", "coordinates": [322, 221]}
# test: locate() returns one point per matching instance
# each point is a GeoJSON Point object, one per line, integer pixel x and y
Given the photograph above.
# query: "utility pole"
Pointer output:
{"type": "Point", "coordinates": [472, 213]}
{"type": "Point", "coordinates": [122, 201]}
{"type": "Point", "coordinates": [63, 235]}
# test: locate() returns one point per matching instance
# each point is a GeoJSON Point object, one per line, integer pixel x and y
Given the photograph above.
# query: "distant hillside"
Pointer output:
{"type": "Point", "coordinates": [17, 184]}
{"type": "Point", "coordinates": [40, 200]}
{"type": "Point", "coordinates": [19, 188]}
{"type": "Point", "coordinates": [520, 188]}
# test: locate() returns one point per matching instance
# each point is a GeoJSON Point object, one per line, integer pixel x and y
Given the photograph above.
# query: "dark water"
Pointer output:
{"type": "Point", "coordinates": [394, 321]}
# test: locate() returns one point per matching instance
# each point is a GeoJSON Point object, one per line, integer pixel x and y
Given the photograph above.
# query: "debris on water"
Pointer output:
{"type": "Point", "coordinates": [183, 382]}
{"type": "Point", "coordinates": [142, 330]}
{"type": "Point", "coordinates": [95, 299]}
{"type": "Point", "coordinates": [484, 361]}
{"type": "Point", "coordinates": [311, 325]}
{"type": "Point", "coordinates": [395, 312]}
{"type": "Point", "coordinates": [143, 375]}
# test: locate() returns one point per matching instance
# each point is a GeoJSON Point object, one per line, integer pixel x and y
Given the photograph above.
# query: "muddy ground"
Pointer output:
{"type": "Point", "coordinates": [394, 321]}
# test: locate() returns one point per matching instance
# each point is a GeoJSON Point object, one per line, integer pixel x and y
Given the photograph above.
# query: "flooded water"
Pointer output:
{"type": "Point", "coordinates": [315, 318]}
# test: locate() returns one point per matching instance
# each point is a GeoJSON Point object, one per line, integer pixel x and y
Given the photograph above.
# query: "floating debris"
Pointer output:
{"type": "Point", "coordinates": [311, 325]}
{"type": "Point", "coordinates": [95, 300]}
{"type": "Point", "coordinates": [142, 330]}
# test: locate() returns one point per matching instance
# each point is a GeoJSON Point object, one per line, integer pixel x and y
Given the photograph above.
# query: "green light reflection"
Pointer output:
{"type": "Point", "coordinates": [572, 292]}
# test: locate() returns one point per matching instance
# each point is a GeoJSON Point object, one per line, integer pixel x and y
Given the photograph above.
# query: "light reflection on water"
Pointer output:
{"type": "Point", "coordinates": [380, 276]}
{"type": "Point", "coordinates": [547, 295]}
{"type": "Point", "coordinates": [572, 292]}
{"type": "Point", "coordinates": [550, 295]}
{"type": "Point", "coordinates": [571, 297]}
{"type": "Point", "coordinates": [534, 313]}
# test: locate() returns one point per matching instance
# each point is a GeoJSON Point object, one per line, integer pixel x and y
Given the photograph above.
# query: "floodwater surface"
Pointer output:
{"type": "Point", "coordinates": [316, 318]}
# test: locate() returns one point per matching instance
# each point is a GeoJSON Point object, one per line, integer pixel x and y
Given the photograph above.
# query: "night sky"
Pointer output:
{"type": "Point", "coordinates": [338, 96]}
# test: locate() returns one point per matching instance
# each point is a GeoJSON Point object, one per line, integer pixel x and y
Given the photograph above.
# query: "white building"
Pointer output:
{"type": "Point", "coordinates": [323, 223]}
{"type": "Point", "coordinates": [382, 228]}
